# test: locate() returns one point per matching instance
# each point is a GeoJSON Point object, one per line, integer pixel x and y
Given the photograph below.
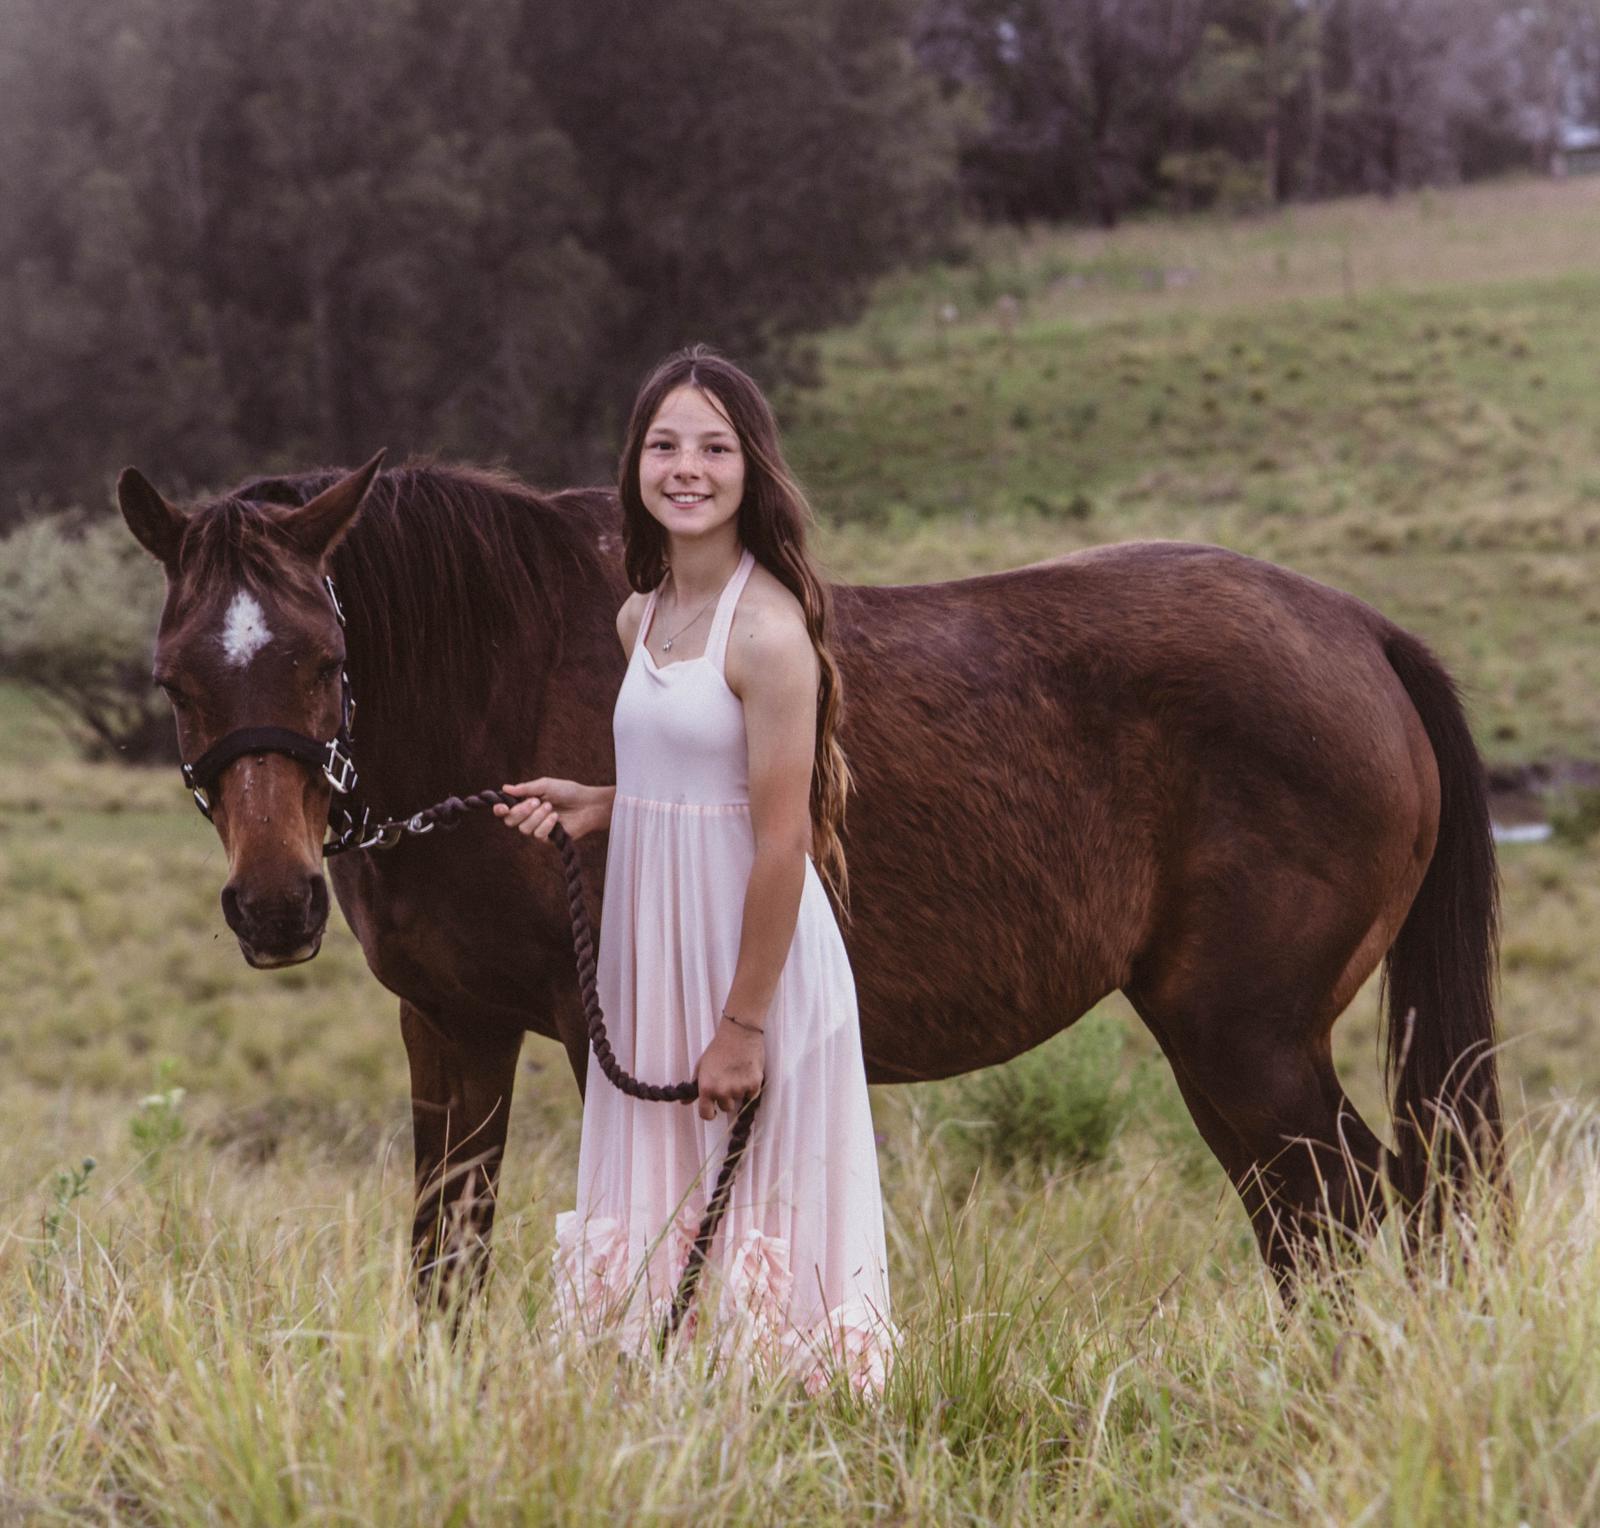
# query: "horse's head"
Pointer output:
{"type": "Point", "coordinates": [249, 640]}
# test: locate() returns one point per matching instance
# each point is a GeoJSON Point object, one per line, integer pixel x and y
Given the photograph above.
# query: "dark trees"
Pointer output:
{"type": "Point", "coordinates": [278, 233]}
{"type": "Point", "coordinates": [1080, 97]}
{"type": "Point", "coordinates": [1087, 107]}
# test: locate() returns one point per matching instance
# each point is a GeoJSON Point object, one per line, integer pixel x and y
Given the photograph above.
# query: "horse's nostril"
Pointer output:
{"type": "Point", "coordinates": [290, 913]}
{"type": "Point", "coordinates": [232, 915]}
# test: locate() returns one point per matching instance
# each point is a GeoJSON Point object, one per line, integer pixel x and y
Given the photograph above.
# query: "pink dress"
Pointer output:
{"type": "Point", "coordinates": [796, 1277]}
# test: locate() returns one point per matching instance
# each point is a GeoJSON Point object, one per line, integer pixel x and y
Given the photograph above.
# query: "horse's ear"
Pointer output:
{"type": "Point", "coordinates": [317, 527]}
{"type": "Point", "coordinates": [155, 524]}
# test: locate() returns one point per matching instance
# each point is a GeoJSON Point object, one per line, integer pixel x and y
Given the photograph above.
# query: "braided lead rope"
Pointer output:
{"type": "Point", "coordinates": [447, 814]}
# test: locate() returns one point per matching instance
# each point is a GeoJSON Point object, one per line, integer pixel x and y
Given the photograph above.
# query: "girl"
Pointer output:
{"type": "Point", "coordinates": [719, 953]}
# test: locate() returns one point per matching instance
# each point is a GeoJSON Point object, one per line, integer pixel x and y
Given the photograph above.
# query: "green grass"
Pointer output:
{"type": "Point", "coordinates": [211, 1324]}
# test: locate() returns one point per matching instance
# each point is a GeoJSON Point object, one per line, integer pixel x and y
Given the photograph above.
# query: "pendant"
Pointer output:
{"type": "Point", "coordinates": [666, 646]}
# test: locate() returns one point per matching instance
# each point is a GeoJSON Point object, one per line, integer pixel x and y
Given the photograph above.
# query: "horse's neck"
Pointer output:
{"type": "Point", "coordinates": [577, 688]}
{"type": "Point", "coordinates": [547, 703]}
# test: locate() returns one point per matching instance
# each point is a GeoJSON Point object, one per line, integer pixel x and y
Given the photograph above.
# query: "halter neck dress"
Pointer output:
{"type": "Point", "coordinates": [796, 1276]}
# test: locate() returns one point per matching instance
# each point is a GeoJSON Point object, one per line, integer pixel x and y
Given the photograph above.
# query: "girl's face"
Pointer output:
{"type": "Point", "coordinates": [691, 471]}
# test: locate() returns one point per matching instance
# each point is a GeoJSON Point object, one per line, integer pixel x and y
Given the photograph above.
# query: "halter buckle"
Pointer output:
{"type": "Point", "coordinates": [339, 768]}
{"type": "Point", "coordinates": [347, 704]}
{"type": "Point", "coordinates": [198, 791]}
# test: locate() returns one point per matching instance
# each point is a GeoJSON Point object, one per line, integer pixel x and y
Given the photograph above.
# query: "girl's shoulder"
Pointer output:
{"type": "Point", "coordinates": [768, 631]}
{"type": "Point", "coordinates": [768, 611]}
{"type": "Point", "coordinates": [628, 619]}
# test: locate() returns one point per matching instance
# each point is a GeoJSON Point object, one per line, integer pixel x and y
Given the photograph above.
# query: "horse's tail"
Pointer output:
{"type": "Point", "coordinates": [1440, 972]}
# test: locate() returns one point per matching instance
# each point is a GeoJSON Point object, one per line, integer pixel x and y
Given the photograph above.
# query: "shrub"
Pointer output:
{"type": "Point", "coordinates": [1214, 179]}
{"type": "Point", "coordinates": [1577, 819]}
{"type": "Point", "coordinates": [78, 610]}
{"type": "Point", "coordinates": [1063, 1103]}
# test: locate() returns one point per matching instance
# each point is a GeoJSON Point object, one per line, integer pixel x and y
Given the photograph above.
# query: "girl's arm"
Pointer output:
{"type": "Point", "coordinates": [777, 676]}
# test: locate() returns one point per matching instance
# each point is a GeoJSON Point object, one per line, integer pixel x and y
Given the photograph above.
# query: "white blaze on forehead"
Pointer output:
{"type": "Point", "coordinates": [244, 632]}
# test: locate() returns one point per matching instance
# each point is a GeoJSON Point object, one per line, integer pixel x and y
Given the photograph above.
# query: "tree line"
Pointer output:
{"type": "Point", "coordinates": [1092, 108]}
{"type": "Point", "coordinates": [270, 233]}
{"type": "Point", "coordinates": [277, 233]}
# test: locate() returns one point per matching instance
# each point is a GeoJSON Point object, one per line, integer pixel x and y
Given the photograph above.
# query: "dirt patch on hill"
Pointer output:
{"type": "Point", "coordinates": [1521, 793]}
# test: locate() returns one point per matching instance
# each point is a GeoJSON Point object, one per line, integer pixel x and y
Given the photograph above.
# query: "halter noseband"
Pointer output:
{"type": "Point", "coordinates": [334, 757]}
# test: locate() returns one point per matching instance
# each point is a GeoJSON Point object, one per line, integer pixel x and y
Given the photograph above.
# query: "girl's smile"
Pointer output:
{"type": "Point", "coordinates": [692, 469]}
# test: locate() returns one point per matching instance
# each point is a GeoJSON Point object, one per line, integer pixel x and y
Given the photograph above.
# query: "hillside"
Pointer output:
{"type": "Point", "coordinates": [1396, 397]}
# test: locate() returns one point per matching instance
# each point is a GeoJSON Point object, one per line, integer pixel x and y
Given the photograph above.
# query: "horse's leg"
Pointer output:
{"type": "Point", "coordinates": [1314, 1167]}
{"type": "Point", "coordinates": [1303, 1160]}
{"type": "Point", "coordinates": [1214, 1130]}
{"type": "Point", "coordinates": [1246, 1023]}
{"type": "Point", "coordinates": [460, 1098]}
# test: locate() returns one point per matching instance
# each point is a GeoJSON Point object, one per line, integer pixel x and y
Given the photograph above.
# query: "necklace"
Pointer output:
{"type": "Point", "coordinates": [666, 646]}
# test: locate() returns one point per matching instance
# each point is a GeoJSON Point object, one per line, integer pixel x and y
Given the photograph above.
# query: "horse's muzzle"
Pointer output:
{"type": "Point", "coordinates": [280, 928]}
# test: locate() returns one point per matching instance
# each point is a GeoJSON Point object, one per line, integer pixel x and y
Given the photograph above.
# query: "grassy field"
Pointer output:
{"type": "Point", "coordinates": [1428, 439]}
{"type": "Point", "coordinates": [210, 1323]}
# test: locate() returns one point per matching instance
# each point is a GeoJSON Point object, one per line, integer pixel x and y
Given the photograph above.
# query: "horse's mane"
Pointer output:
{"type": "Point", "coordinates": [443, 575]}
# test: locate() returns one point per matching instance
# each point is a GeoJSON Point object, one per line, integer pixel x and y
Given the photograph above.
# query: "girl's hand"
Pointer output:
{"type": "Point", "coordinates": [578, 808]}
{"type": "Point", "coordinates": [731, 1071]}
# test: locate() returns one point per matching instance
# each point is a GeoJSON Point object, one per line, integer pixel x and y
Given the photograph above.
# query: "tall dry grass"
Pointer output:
{"type": "Point", "coordinates": [194, 1342]}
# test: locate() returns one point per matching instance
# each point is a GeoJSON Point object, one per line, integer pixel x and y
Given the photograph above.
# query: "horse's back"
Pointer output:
{"type": "Point", "coordinates": [1173, 629]}
{"type": "Point", "coordinates": [1102, 725]}
{"type": "Point", "coordinates": [1154, 589]}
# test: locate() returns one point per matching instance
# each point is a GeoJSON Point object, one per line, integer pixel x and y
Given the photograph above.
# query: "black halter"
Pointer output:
{"type": "Point", "coordinates": [334, 757]}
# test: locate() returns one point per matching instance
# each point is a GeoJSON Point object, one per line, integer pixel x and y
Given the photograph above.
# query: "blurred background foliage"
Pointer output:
{"type": "Point", "coordinates": [266, 233]}
{"type": "Point", "coordinates": [270, 233]}
{"type": "Point", "coordinates": [1093, 108]}
{"type": "Point", "coordinates": [78, 602]}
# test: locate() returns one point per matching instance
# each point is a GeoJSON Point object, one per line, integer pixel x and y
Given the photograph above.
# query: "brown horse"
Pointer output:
{"type": "Point", "coordinates": [1222, 788]}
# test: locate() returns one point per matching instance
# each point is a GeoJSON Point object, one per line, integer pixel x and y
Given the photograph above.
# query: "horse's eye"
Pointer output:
{"type": "Point", "coordinates": [173, 693]}
{"type": "Point", "coordinates": [329, 669]}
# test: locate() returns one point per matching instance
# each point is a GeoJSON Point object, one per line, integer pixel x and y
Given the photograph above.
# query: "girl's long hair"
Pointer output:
{"type": "Point", "coordinates": [773, 520]}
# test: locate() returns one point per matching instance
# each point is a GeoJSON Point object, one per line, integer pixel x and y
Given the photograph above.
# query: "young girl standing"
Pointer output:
{"type": "Point", "coordinates": [719, 953]}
